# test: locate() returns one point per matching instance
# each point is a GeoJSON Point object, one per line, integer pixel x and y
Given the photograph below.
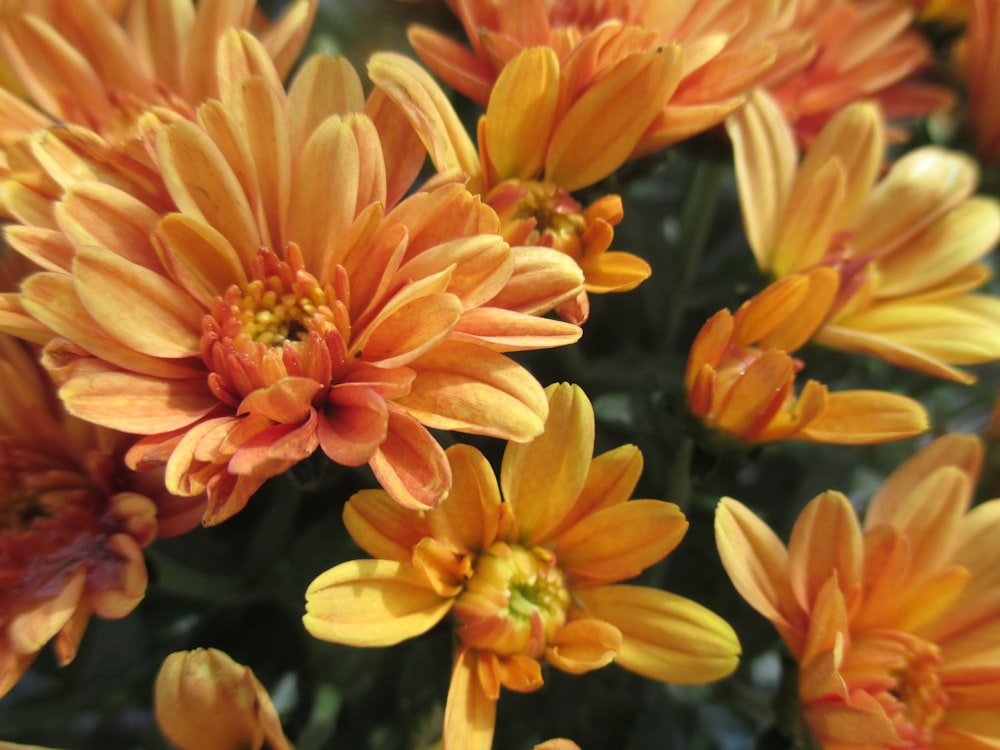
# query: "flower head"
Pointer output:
{"type": "Point", "coordinates": [861, 50]}
{"type": "Point", "coordinates": [906, 247]}
{"type": "Point", "coordinates": [893, 623]}
{"type": "Point", "coordinates": [205, 699]}
{"type": "Point", "coordinates": [539, 141]}
{"type": "Point", "coordinates": [530, 578]}
{"type": "Point", "coordinates": [83, 63]}
{"type": "Point", "coordinates": [286, 305]}
{"type": "Point", "coordinates": [727, 45]}
{"type": "Point", "coordinates": [980, 68]}
{"type": "Point", "coordinates": [740, 376]}
{"type": "Point", "coordinates": [73, 520]}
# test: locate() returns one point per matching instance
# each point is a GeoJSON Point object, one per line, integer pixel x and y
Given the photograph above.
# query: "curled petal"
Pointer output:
{"type": "Point", "coordinates": [584, 645]}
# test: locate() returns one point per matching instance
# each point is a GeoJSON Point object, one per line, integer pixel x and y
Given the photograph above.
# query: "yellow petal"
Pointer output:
{"type": "Point", "coordinates": [382, 527]}
{"type": "Point", "coordinates": [542, 480]}
{"type": "Point", "coordinates": [520, 114]}
{"type": "Point", "coordinates": [428, 109]}
{"type": "Point", "coordinates": [866, 417]}
{"type": "Point", "coordinates": [757, 563]}
{"type": "Point", "coordinates": [765, 159]}
{"type": "Point", "coordinates": [664, 636]}
{"type": "Point", "coordinates": [603, 126]}
{"type": "Point", "coordinates": [371, 603]}
{"type": "Point", "coordinates": [470, 518]}
{"type": "Point", "coordinates": [614, 272]}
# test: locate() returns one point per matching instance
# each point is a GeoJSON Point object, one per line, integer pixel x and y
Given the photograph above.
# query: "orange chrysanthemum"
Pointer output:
{"type": "Point", "coordinates": [980, 65]}
{"type": "Point", "coordinates": [727, 45]}
{"type": "Point", "coordinates": [894, 625]}
{"type": "Point", "coordinates": [538, 143]}
{"type": "Point", "coordinates": [282, 308]}
{"type": "Point", "coordinates": [740, 376]}
{"type": "Point", "coordinates": [529, 578]}
{"type": "Point", "coordinates": [864, 49]}
{"type": "Point", "coordinates": [73, 520]}
{"type": "Point", "coordinates": [907, 248]}
{"type": "Point", "coordinates": [82, 63]}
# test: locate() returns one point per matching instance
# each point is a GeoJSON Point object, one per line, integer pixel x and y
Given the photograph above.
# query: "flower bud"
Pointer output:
{"type": "Point", "coordinates": [206, 701]}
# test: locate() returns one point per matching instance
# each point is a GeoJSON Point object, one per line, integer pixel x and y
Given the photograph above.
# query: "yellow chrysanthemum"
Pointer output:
{"type": "Point", "coordinates": [73, 520]}
{"type": "Point", "coordinates": [530, 578]}
{"type": "Point", "coordinates": [539, 141]}
{"type": "Point", "coordinates": [893, 624]}
{"type": "Point", "coordinates": [740, 376]}
{"type": "Point", "coordinates": [906, 247]}
{"type": "Point", "coordinates": [288, 303]}
{"type": "Point", "coordinates": [861, 49]}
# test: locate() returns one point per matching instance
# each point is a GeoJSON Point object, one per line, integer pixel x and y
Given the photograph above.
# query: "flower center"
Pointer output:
{"type": "Point", "coordinates": [282, 323]}
{"type": "Point", "coordinates": [918, 700]}
{"type": "Point", "coordinates": [514, 602]}
{"type": "Point", "coordinates": [539, 213]}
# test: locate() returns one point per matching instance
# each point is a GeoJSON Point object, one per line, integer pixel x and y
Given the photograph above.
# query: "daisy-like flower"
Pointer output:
{"type": "Point", "coordinates": [530, 578]}
{"type": "Point", "coordinates": [73, 520]}
{"type": "Point", "coordinates": [907, 247]}
{"type": "Point", "coordinates": [204, 699]}
{"type": "Point", "coordinates": [980, 65]}
{"type": "Point", "coordinates": [727, 46]}
{"type": "Point", "coordinates": [539, 142]}
{"type": "Point", "coordinates": [282, 308]}
{"type": "Point", "coordinates": [84, 63]}
{"type": "Point", "coordinates": [893, 624]}
{"type": "Point", "coordinates": [740, 376]}
{"type": "Point", "coordinates": [864, 49]}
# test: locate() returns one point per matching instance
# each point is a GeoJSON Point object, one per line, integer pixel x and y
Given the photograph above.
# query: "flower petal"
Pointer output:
{"type": "Point", "coordinates": [371, 603]}
{"type": "Point", "coordinates": [664, 636]}
{"type": "Point", "coordinates": [542, 480]}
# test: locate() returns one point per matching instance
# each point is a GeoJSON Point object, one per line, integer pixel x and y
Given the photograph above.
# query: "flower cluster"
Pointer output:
{"type": "Point", "coordinates": [314, 291]}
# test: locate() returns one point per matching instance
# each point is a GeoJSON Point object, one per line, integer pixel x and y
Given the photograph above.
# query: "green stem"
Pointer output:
{"type": "Point", "coordinates": [696, 218]}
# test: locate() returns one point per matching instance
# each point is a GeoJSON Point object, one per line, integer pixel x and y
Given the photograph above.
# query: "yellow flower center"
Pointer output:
{"type": "Point", "coordinates": [514, 602]}
{"type": "Point", "coordinates": [539, 213]}
{"type": "Point", "coordinates": [282, 323]}
{"type": "Point", "coordinates": [272, 315]}
{"type": "Point", "coordinates": [918, 701]}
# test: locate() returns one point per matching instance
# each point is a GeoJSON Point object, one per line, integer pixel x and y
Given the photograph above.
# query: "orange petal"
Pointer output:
{"type": "Point", "coordinates": [826, 537]}
{"type": "Point", "coordinates": [620, 541]}
{"type": "Point", "coordinates": [469, 714]}
{"type": "Point", "coordinates": [465, 387]}
{"type": "Point", "coordinates": [410, 464]}
{"type": "Point", "coordinates": [583, 645]}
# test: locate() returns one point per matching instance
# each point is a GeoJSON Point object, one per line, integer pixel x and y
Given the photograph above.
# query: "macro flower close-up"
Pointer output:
{"type": "Point", "coordinates": [371, 373]}
{"type": "Point", "coordinates": [530, 571]}
{"type": "Point", "coordinates": [893, 623]}
{"type": "Point", "coordinates": [274, 327]}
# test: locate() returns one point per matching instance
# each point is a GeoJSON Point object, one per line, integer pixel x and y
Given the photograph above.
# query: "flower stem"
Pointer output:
{"type": "Point", "coordinates": [696, 218]}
